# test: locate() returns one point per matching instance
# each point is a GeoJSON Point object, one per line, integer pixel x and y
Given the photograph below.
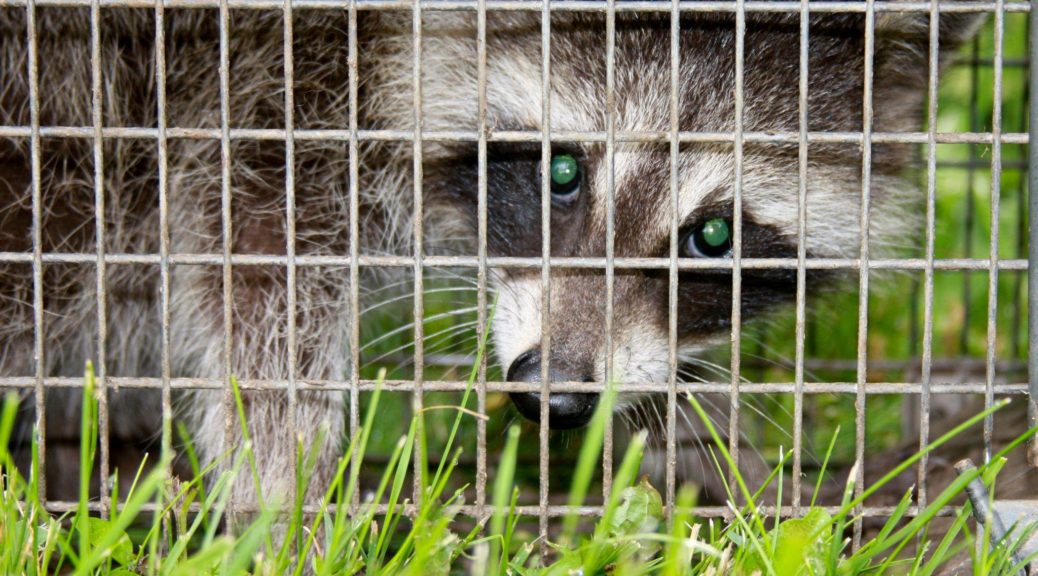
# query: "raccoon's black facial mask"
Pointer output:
{"type": "Point", "coordinates": [639, 173]}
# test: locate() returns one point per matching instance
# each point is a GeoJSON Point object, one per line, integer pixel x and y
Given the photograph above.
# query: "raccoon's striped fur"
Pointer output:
{"type": "Point", "coordinates": [259, 347]}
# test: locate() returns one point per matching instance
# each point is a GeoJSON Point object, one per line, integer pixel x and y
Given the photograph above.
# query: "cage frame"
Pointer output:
{"type": "Point", "coordinates": [97, 133]}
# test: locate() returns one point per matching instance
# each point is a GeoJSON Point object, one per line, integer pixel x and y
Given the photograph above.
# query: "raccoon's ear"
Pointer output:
{"type": "Point", "coordinates": [954, 27]}
{"type": "Point", "coordinates": [902, 60]}
{"type": "Point", "coordinates": [903, 39]}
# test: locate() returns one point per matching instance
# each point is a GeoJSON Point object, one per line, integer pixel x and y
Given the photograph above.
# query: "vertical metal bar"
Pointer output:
{"type": "Point", "coordinates": [290, 237]}
{"type": "Point", "coordinates": [543, 454]}
{"type": "Point", "coordinates": [37, 247]}
{"type": "Point", "coordinates": [672, 270]}
{"type": "Point", "coordinates": [996, 189]}
{"type": "Point", "coordinates": [481, 273]}
{"type": "Point", "coordinates": [863, 282]}
{"type": "Point", "coordinates": [101, 269]}
{"type": "Point", "coordinates": [164, 271]}
{"type": "Point", "coordinates": [418, 399]}
{"type": "Point", "coordinates": [734, 411]}
{"type": "Point", "coordinates": [354, 244]}
{"type": "Point", "coordinates": [1032, 219]}
{"type": "Point", "coordinates": [607, 445]}
{"type": "Point", "coordinates": [931, 225]}
{"type": "Point", "coordinates": [226, 224]}
{"type": "Point", "coordinates": [801, 306]}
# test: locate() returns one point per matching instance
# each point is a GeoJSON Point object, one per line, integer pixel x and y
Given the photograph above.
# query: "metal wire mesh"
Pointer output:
{"type": "Point", "coordinates": [993, 264]}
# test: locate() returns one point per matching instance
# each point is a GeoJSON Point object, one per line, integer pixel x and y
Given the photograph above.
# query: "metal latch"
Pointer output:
{"type": "Point", "coordinates": [1017, 515]}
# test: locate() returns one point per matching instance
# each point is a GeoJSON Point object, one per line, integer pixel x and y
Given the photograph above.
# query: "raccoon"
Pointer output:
{"type": "Point", "coordinates": [256, 297]}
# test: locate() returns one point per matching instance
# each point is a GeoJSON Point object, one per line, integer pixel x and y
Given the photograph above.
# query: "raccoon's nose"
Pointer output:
{"type": "Point", "coordinates": [565, 410]}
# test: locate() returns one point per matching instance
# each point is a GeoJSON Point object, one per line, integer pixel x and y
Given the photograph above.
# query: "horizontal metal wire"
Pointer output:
{"type": "Point", "coordinates": [873, 388]}
{"type": "Point", "coordinates": [961, 365]}
{"type": "Point", "coordinates": [554, 5]}
{"type": "Point", "coordinates": [173, 133]}
{"type": "Point", "coordinates": [555, 511]}
{"type": "Point", "coordinates": [951, 264]}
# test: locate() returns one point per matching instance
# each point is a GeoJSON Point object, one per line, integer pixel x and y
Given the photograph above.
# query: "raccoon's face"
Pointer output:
{"type": "Point", "coordinates": [640, 174]}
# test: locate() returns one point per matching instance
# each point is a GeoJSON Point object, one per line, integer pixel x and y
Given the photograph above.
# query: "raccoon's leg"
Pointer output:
{"type": "Point", "coordinates": [259, 351]}
{"type": "Point", "coordinates": [261, 336]}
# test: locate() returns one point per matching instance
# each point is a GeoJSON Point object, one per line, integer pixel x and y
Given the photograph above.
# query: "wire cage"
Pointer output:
{"type": "Point", "coordinates": [954, 320]}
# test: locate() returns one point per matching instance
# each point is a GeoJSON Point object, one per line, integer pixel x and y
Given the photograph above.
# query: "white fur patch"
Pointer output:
{"type": "Point", "coordinates": [517, 318]}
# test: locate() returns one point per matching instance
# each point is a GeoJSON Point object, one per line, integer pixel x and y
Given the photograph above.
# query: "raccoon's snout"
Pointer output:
{"type": "Point", "coordinates": [565, 410]}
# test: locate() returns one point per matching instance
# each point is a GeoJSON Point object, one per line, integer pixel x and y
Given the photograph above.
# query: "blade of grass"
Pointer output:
{"type": "Point", "coordinates": [944, 548]}
{"type": "Point", "coordinates": [7, 419]}
{"type": "Point", "coordinates": [775, 471]}
{"type": "Point", "coordinates": [473, 374]}
{"type": "Point", "coordinates": [513, 522]}
{"type": "Point", "coordinates": [753, 536]}
{"type": "Point", "coordinates": [399, 480]}
{"type": "Point", "coordinates": [778, 504]}
{"type": "Point", "coordinates": [841, 521]}
{"type": "Point", "coordinates": [387, 475]}
{"type": "Point", "coordinates": [343, 494]}
{"type": "Point", "coordinates": [824, 467]}
{"type": "Point", "coordinates": [192, 458]}
{"type": "Point", "coordinates": [305, 464]}
{"type": "Point", "coordinates": [206, 559]}
{"type": "Point", "coordinates": [624, 478]}
{"type": "Point", "coordinates": [88, 424]}
{"type": "Point", "coordinates": [675, 562]}
{"type": "Point", "coordinates": [503, 486]}
{"type": "Point", "coordinates": [245, 548]}
{"type": "Point", "coordinates": [720, 444]}
{"type": "Point", "coordinates": [588, 460]}
{"type": "Point", "coordinates": [37, 506]}
{"type": "Point", "coordinates": [224, 497]}
{"type": "Point", "coordinates": [889, 525]}
{"type": "Point", "coordinates": [243, 426]}
{"type": "Point", "coordinates": [100, 550]}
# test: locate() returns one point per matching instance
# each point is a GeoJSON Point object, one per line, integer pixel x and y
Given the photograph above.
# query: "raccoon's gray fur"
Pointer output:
{"type": "Point", "coordinates": [259, 348]}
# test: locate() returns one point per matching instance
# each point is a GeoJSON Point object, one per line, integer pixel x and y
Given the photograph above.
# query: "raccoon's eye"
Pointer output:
{"type": "Point", "coordinates": [711, 239]}
{"type": "Point", "coordinates": [565, 178]}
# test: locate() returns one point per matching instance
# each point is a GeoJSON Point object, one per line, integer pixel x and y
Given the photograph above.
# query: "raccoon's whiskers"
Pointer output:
{"type": "Point", "coordinates": [749, 402]}
{"type": "Point", "coordinates": [409, 296]}
{"type": "Point", "coordinates": [439, 347]}
{"type": "Point", "coordinates": [776, 358]}
{"type": "Point", "coordinates": [410, 325]}
{"type": "Point", "coordinates": [699, 447]}
{"type": "Point", "coordinates": [428, 338]}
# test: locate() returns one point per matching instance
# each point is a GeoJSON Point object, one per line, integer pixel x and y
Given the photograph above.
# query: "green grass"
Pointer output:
{"type": "Point", "coordinates": [632, 536]}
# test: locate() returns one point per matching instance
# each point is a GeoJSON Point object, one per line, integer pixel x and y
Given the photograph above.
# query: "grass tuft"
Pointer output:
{"type": "Point", "coordinates": [383, 532]}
